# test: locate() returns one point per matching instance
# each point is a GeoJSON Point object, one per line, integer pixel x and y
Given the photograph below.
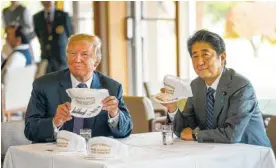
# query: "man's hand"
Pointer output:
{"type": "Point", "coordinates": [170, 106]}
{"type": "Point", "coordinates": [62, 114]}
{"type": "Point", "coordinates": [110, 104]}
{"type": "Point", "coordinates": [186, 134]}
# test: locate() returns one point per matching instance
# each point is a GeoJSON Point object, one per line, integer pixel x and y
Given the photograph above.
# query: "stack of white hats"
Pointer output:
{"type": "Point", "coordinates": [70, 142]}
{"type": "Point", "coordinates": [106, 148]}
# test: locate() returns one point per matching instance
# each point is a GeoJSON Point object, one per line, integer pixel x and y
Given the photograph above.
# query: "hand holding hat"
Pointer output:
{"type": "Point", "coordinates": [175, 89]}
{"type": "Point", "coordinates": [62, 114]}
{"type": "Point", "coordinates": [170, 106]}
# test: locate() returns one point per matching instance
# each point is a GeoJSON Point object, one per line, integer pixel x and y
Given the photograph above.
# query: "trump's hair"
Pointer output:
{"type": "Point", "coordinates": [94, 40]}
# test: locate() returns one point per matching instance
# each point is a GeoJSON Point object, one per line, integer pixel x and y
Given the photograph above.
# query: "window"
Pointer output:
{"type": "Point", "coordinates": [83, 15]}
{"type": "Point", "coordinates": [158, 42]}
{"type": "Point", "coordinates": [250, 37]}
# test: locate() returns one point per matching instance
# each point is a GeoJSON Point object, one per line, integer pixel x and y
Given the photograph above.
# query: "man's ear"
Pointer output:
{"type": "Point", "coordinates": [97, 63]}
{"type": "Point", "coordinates": [223, 58]}
{"type": "Point", "coordinates": [18, 40]}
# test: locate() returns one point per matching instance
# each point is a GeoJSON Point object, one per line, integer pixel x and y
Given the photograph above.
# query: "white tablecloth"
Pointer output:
{"type": "Point", "coordinates": [146, 150]}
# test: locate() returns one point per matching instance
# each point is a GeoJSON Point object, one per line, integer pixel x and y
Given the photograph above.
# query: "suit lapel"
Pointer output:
{"type": "Point", "coordinates": [96, 84]}
{"type": "Point", "coordinates": [42, 22]}
{"type": "Point", "coordinates": [65, 83]}
{"type": "Point", "coordinates": [220, 95]}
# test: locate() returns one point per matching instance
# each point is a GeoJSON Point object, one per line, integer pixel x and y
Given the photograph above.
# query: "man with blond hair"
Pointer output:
{"type": "Point", "coordinates": [49, 106]}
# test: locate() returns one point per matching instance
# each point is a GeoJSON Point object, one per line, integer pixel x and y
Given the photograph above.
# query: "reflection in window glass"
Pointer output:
{"type": "Point", "coordinates": [250, 38]}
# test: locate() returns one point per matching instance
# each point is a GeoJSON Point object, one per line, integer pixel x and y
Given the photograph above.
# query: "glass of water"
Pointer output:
{"type": "Point", "coordinates": [167, 134]}
{"type": "Point", "coordinates": [86, 134]}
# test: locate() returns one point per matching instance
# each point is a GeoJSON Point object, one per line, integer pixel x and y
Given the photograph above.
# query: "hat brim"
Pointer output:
{"type": "Point", "coordinates": [164, 98]}
{"type": "Point", "coordinates": [88, 157]}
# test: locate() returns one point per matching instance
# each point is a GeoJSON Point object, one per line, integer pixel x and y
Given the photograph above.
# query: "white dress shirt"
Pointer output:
{"type": "Point", "coordinates": [214, 85]}
{"type": "Point", "coordinates": [112, 121]}
{"type": "Point", "coordinates": [17, 59]}
{"type": "Point", "coordinates": [52, 14]}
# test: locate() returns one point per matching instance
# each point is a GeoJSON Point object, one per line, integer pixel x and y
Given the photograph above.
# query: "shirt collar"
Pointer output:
{"type": "Point", "coordinates": [215, 83]}
{"type": "Point", "coordinates": [52, 12]}
{"type": "Point", "coordinates": [75, 82]}
{"type": "Point", "coordinates": [22, 47]}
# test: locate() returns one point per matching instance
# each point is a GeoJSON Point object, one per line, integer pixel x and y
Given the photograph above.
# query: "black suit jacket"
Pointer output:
{"type": "Point", "coordinates": [53, 48]}
{"type": "Point", "coordinates": [49, 91]}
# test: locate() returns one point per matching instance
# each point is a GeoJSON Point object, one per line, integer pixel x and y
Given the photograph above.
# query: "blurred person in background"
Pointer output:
{"type": "Point", "coordinates": [17, 15]}
{"type": "Point", "coordinates": [21, 55]}
{"type": "Point", "coordinates": [53, 28]}
{"type": "Point", "coordinates": [224, 107]}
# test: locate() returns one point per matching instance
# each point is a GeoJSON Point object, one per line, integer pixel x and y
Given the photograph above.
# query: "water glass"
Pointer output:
{"type": "Point", "coordinates": [167, 134]}
{"type": "Point", "coordinates": [86, 134]}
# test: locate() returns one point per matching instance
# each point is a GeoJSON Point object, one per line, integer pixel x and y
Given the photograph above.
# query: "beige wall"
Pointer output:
{"type": "Point", "coordinates": [112, 15]}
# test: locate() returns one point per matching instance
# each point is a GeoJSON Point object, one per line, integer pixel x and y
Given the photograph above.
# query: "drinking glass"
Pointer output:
{"type": "Point", "coordinates": [86, 134]}
{"type": "Point", "coordinates": [167, 134]}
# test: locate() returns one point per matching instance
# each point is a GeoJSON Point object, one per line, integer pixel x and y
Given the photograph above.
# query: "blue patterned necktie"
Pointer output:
{"type": "Point", "coordinates": [210, 107]}
{"type": "Point", "coordinates": [78, 122]}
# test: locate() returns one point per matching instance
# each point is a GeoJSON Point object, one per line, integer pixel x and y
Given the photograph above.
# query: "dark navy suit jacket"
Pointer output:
{"type": "Point", "coordinates": [49, 91]}
{"type": "Point", "coordinates": [54, 49]}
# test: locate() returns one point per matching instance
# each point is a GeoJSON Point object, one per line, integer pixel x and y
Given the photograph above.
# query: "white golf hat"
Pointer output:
{"type": "Point", "coordinates": [175, 89]}
{"type": "Point", "coordinates": [86, 102]}
{"type": "Point", "coordinates": [70, 142]}
{"type": "Point", "coordinates": [106, 148]}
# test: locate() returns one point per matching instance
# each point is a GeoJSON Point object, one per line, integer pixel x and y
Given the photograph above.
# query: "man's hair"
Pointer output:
{"type": "Point", "coordinates": [211, 38]}
{"type": "Point", "coordinates": [94, 40]}
{"type": "Point", "coordinates": [19, 33]}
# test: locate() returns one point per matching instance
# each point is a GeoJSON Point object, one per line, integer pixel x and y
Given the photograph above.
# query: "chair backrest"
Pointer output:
{"type": "Point", "coordinates": [141, 112]}
{"type": "Point", "coordinates": [18, 86]}
{"type": "Point", "coordinates": [271, 133]}
{"type": "Point", "coordinates": [12, 134]}
{"type": "Point", "coordinates": [147, 89]}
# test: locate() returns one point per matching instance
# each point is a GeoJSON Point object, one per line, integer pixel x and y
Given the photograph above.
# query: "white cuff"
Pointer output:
{"type": "Point", "coordinates": [56, 129]}
{"type": "Point", "coordinates": [171, 115]}
{"type": "Point", "coordinates": [115, 120]}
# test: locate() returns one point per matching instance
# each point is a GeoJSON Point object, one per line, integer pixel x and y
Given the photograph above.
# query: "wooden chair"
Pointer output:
{"type": "Point", "coordinates": [142, 114]}
{"type": "Point", "coordinates": [271, 132]}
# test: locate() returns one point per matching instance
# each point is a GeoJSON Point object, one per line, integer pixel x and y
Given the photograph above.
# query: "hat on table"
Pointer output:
{"type": "Point", "coordinates": [70, 142]}
{"type": "Point", "coordinates": [106, 148]}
